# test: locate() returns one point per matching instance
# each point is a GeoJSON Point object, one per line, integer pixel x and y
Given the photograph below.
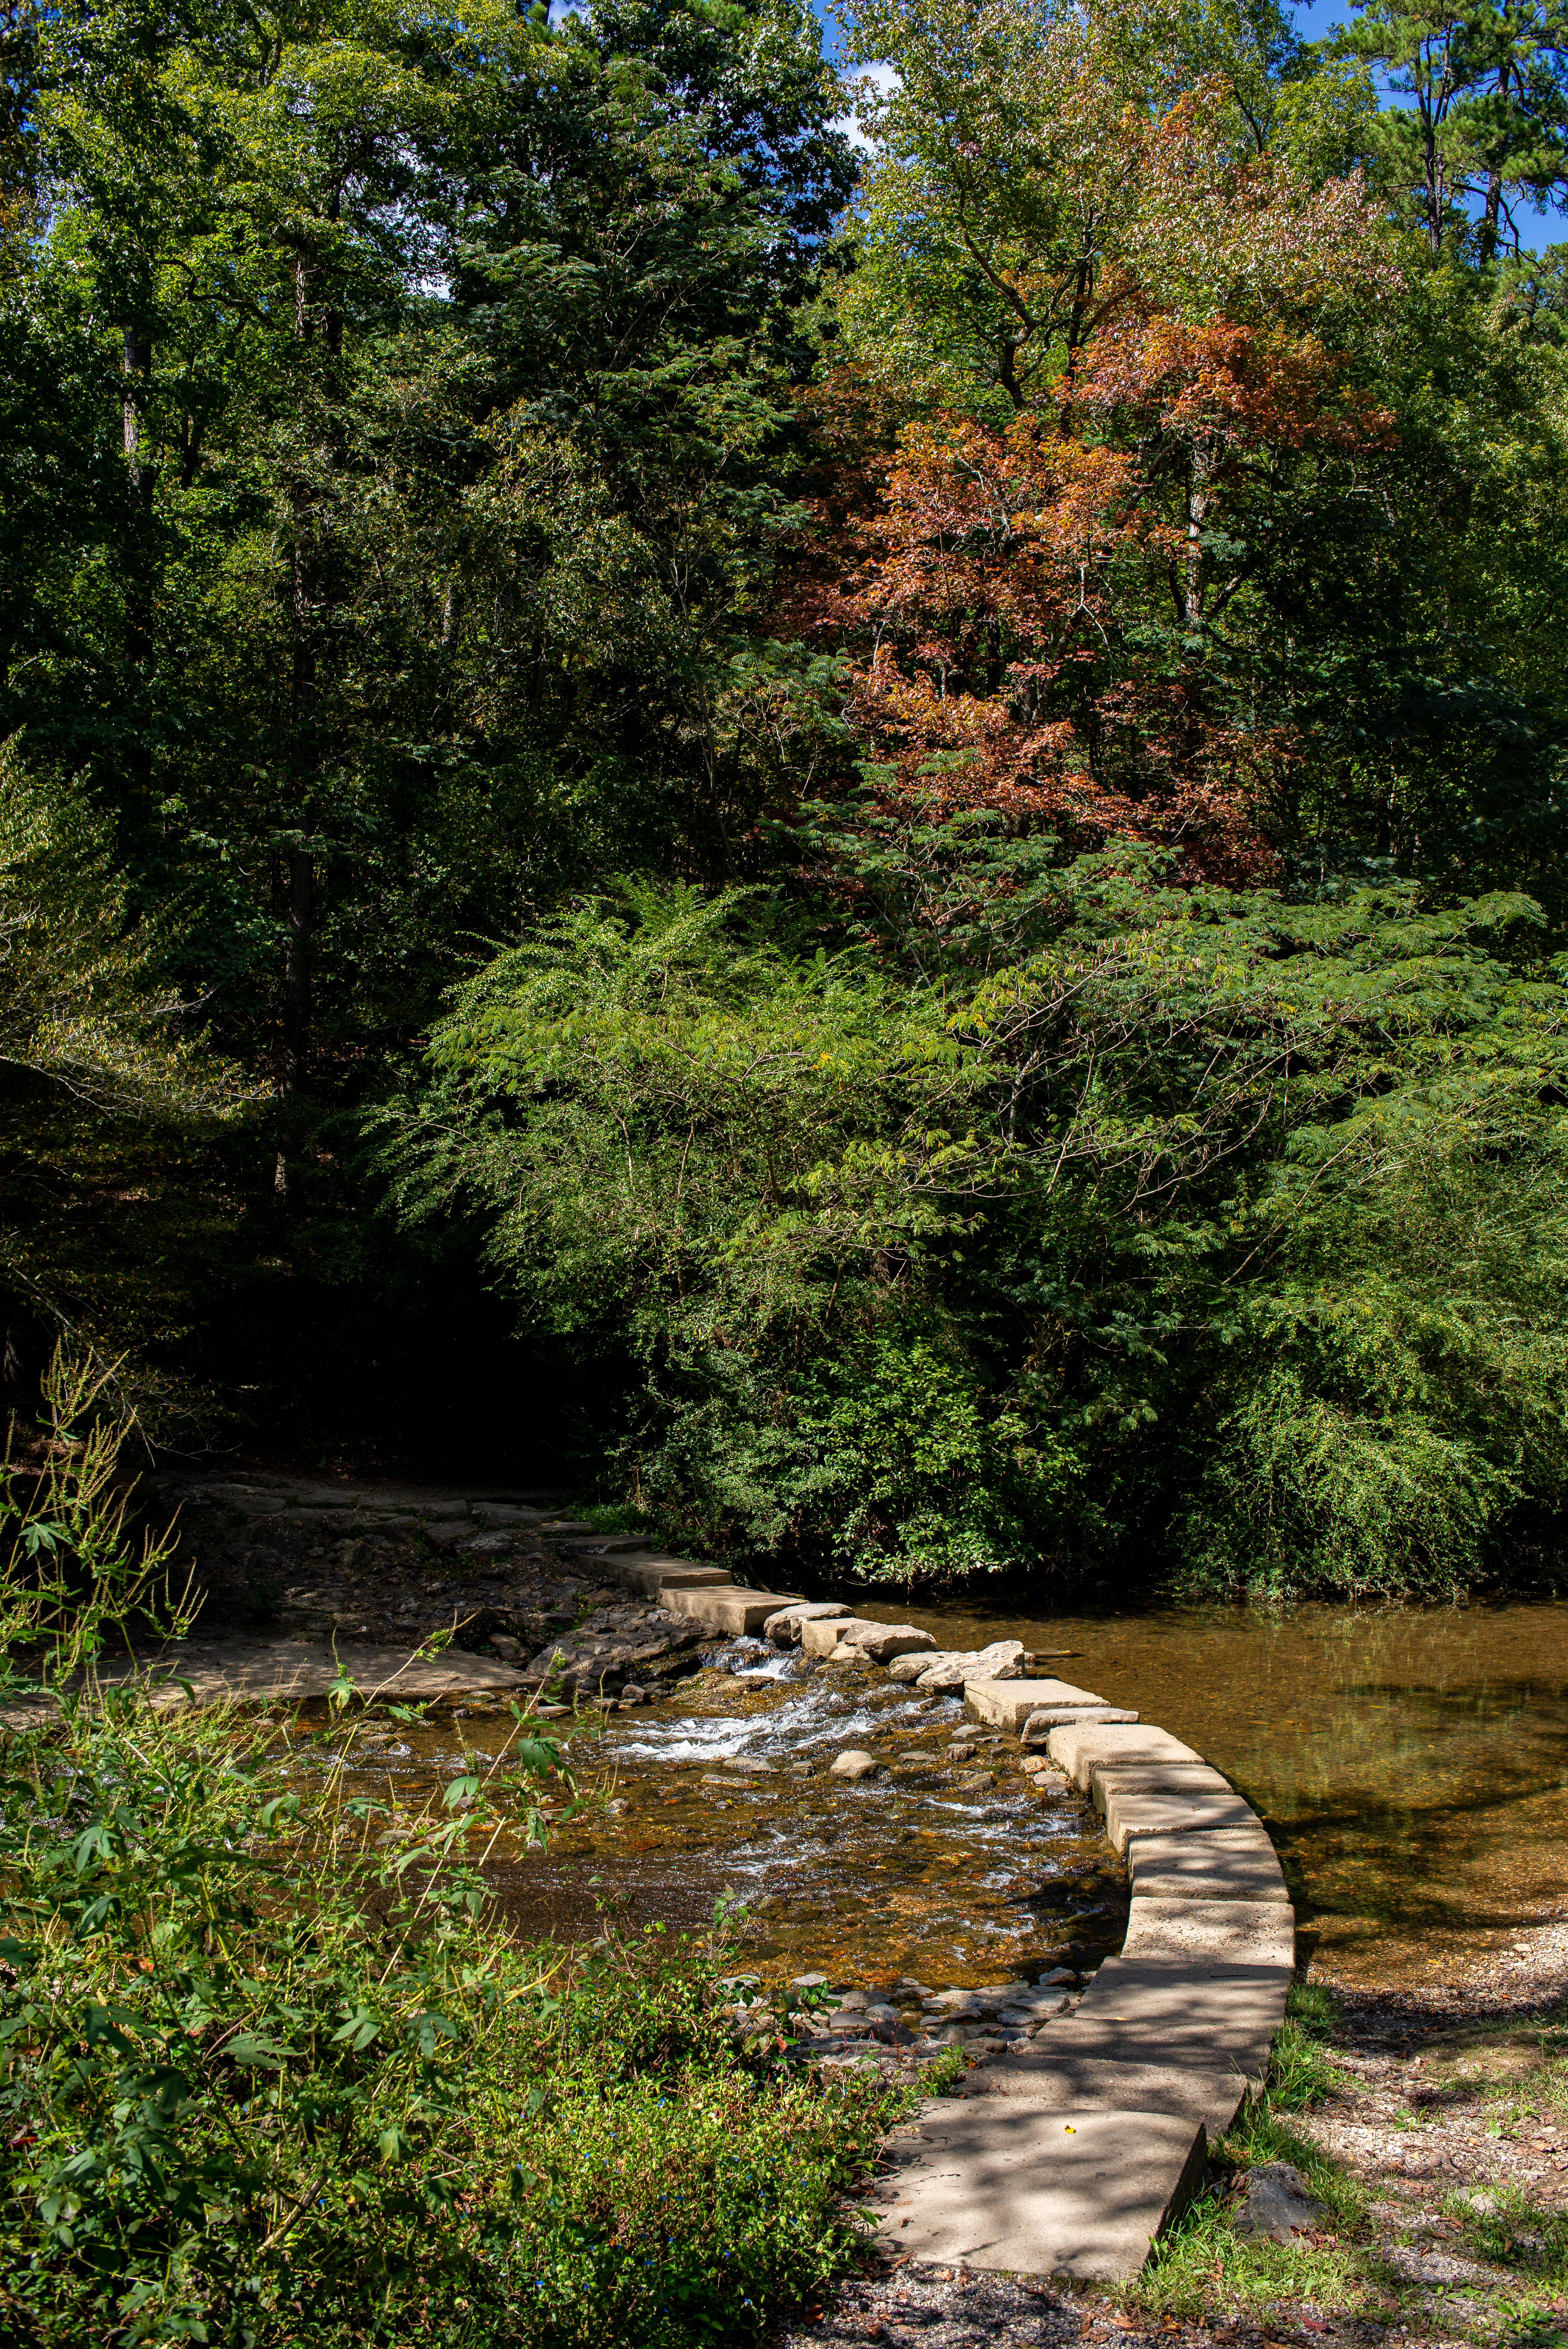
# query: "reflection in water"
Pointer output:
{"type": "Point", "coordinates": [1413, 1765]}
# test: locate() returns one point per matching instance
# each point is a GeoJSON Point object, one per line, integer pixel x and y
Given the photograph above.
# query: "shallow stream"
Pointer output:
{"type": "Point", "coordinates": [1412, 1767]}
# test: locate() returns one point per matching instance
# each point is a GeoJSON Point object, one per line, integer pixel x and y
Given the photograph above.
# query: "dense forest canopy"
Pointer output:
{"type": "Point", "coordinates": [840, 795]}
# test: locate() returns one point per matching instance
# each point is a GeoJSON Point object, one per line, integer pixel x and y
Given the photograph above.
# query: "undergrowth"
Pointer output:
{"type": "Point", "coordinates": [273, 2070]}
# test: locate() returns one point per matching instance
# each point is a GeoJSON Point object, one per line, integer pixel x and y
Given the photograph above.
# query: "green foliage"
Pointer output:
{"type": "Point", "coordinates": [269, 2060]}
{"type": "Point", "coordinates": [438, 460]}
{"type": "Point", "coordinates": [107, 1091]}
{"type": "Point", "coordinates": [1202, 2262]}
{"type": "Point", "coordinates": [917, 1281]}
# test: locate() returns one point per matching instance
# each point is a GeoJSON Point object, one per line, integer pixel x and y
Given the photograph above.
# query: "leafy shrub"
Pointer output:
{"type": "Point", "coordinates": [271, 2069]}
{"type": "Point", "coordinates": [1228, 1231]}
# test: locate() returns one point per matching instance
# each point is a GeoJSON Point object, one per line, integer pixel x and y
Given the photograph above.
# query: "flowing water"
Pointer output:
{"type": "Point", "coordinates": [1411, 1765]}
{"type": "Point", "coordinates": [953, 1870]}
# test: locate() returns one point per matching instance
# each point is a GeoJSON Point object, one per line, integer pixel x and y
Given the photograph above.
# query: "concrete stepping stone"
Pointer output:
{"type": "Point", "coordinates": [593, 1545]}
{"type": "Point", "coordinates": [820, 1635]}
{"type": "Point", "coordinates": [1219, 1864]}
{"type": "Point", "coordinates": [950, 1667]}
{"type": "Point", "coordinates": [784, 1629]}
{"type": "Point", "coordinates": [1000, 2183]}
{"type": "Point", "coordinates": [1223, 1932]}
{"type": "Point", "coordinates": [1173, 1814]}
{"type": "Point", "coordinates": [650, 1574]}
{"type": "Point", "coordinates": [1105, 1779]}
{"type": "Point", "coordinates": [1044, 2075]}
{"type": "Point", "coordinates": [1036, 1730]}
{"type": "Point", "coordinates": [1007, 1704]}
{"type": "Point", "coordinates": [1184, 2011]}
{"type": "Point", "coordinates": [1077, 1746]}
{"type": "Point", "coordinates": [725, 1609]}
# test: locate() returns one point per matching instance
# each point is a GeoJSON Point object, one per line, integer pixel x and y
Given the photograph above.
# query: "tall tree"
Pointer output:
{"type": "Point", "coordinates": [1487, 115]}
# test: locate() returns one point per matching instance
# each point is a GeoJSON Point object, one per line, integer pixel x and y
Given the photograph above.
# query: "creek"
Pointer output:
{"type": "Point", "coordinates": [1412, 1766]}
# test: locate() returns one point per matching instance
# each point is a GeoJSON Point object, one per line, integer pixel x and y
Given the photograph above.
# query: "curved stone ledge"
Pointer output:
{"type": "Point", "coordinates": [1072, 2158]}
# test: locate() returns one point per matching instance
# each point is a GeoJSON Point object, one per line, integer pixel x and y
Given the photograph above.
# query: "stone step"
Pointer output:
{"type": "Point", "coordinates": [1044, 2076]}
{"type": "Point", "coordinates": [642, 1572]}
{"type": "Point", "coordinates": [1076, 1747]}
{"type": "Point", "coordinates": [820, 1634]}
{"type": "Point", "coordinates": [1215, 1932]}
{"type": "Point", "coordinates": [1173, 1814]}
{"type": "Point", "coordinates": [1007, 1704]}
{"type": "Point", "coordinates": [1105, 1779]}
{"type": "Point", "coordinates": [784, 1629]}
{"type": "Point", "coordinates": [1217, 1864]}
{"type": "Point", "coordinates": [995, 2182]}
{"type": "Point", "coordinates": [1039, 1725]}
{"type": "Point", "coordinates": [732, 1610]}
{"type": "Point", "coordinates": [1183, 2010]}
{"type": "Point", "coordinates": [598, 1545]}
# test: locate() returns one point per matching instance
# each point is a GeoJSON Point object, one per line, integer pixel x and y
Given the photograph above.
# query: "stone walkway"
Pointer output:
{"type": "Point", "coordinates": [1071, 2158]}
{"type": "Point", "coordinates": [430, 1592]}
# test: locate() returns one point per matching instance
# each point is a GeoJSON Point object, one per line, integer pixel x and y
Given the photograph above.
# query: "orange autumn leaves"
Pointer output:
{"type": "Point", "coordinates": [999, 590]}
{"type": "Point", "coordinates": [1039, 615]}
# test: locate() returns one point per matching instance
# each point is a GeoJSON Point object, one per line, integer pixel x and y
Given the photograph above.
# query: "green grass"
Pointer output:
{"type": "Point", "coordinates": [1201, 2262]}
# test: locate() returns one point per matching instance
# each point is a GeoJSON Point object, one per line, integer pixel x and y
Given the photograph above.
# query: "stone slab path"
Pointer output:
{"type": "Point", "coordinates": [293, 1671]}
{"type": "Point", "coordinates": [1073, 2158]}
{"type": "Point", "coordinates": [1069, 2158]}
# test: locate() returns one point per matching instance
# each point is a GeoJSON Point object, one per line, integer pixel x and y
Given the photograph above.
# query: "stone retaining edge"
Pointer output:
{"type": "Point", "coordinates": [1074, 2158]}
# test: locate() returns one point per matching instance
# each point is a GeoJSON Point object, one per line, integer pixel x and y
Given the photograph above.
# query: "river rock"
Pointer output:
{"type": "Point", "coordinates": [784, 1627]}
{"type": "Point", "coordinates": [854, 1764]}
{"type": "Point", "coordinates": [448, 1532]}
{"type": "Point", "coordinates": [882, 1642]}
{"type": "Point", "coordinates": [820, 1635]}
{"type": "Point", "coordinates": [1276, 2203]}
{"type": "Point", "coordinates": [950, 1667]}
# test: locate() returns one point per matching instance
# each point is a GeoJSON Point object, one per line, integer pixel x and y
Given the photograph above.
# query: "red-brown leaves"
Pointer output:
{"type": "Point", "coordinates": [986, 592]}
{"type": "Point", "coordinates": [1249, 385]}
